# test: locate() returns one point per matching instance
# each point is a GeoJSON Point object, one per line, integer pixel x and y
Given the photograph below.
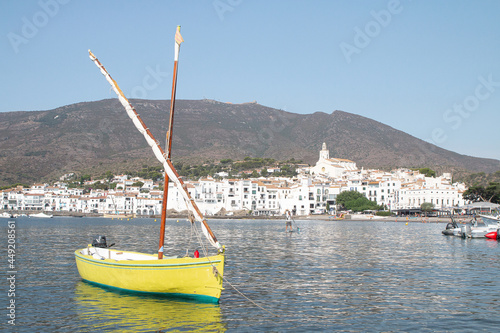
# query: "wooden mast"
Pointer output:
{"type": "Point", "coordinates": [168, 143]}
{"type": "Point", "coordinates": [160, 154]}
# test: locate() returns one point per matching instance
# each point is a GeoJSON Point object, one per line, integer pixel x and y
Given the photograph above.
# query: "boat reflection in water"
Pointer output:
{"type": "Point", "coordinates": [104, 310]}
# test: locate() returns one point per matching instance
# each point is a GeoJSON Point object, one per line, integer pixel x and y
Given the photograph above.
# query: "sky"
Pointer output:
{"type": "Point", "coordinates": [428, 68]}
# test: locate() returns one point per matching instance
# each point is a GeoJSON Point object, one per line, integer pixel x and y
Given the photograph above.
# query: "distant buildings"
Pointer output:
{"type": "Point", "coordinates": [311, 192]}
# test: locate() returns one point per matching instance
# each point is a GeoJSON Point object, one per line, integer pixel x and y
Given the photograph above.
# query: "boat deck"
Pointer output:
{"type": "Point", "coordinates": [106, 253]}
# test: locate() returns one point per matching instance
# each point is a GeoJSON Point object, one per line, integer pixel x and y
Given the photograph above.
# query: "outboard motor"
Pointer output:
{"type": "Point", "coordinates": [466, 231]}
{"type": "Point", "coordinates": [100, 241]}
{"type": "Point", "coordinates": [498, 234]}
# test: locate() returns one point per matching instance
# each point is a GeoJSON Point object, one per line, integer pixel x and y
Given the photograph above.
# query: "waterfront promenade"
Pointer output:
{"type": "Point", "coordinates": [320, 217]}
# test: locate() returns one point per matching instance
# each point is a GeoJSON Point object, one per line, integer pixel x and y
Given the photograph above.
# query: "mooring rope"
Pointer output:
{"type": "Point", "coordinates": [247, 298]}
{"type": "Point", "coordinates": [200, 239]}
{"type": "Point", "coordinates": [216, 271]}
{"type": "Point", "coordinates": [190, 235]}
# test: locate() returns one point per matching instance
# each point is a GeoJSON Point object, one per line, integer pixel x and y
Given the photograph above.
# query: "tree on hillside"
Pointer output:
{"type": "Point", "coordinates": [85, 178]}
{"type": "Point", "coordinates": [109, 176]}
{"type": "Point", "coordinates": [426, 171]}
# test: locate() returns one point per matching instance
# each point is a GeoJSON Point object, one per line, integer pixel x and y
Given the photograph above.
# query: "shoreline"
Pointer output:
{"type": "Point", "coordinates": [329, 218]}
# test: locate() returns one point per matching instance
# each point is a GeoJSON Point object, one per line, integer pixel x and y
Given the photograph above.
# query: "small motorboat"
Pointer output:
{"type": "Point", "coordinates": [42, 215]}
{"type": "Point", "coordinates": [490, 219]}
{"type": "Point", "coordinates": [478, 230]}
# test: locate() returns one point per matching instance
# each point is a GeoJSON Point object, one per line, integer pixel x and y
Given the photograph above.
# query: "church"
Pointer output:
{"type": "Point", "coordinates": [331, 167]}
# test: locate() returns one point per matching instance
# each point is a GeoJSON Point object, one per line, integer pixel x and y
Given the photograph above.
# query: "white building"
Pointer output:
{"type": "Point", "coordinates": [331, 167]}
{"type": "Point", "coordinates": [437, 191]}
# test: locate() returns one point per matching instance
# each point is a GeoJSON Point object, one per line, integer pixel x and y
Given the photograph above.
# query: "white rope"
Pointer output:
{"type": "Point", "coordinates": [200, 239]}
{"type": "Point", "coordinates": [247, 298]}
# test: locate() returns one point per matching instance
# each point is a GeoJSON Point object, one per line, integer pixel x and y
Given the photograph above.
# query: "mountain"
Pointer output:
{"type": "Point", "coordinates": [93, 137]}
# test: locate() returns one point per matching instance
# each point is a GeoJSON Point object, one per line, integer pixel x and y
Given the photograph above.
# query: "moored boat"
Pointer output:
{"type": "Point", "coordinates": [118, 216]}
{"type": "Point", "coordinates": [490, 219]}
{"type": "Point", "coordinates": [187, 277]}
{"type": "Point", "coordinates": [192, 277]}
{"type": "Point", "coordinates": [477, 229]}
{"type": "Point", "coordinates": [366, 217]}
{"type": "Point", "coordinates": [42, 215]}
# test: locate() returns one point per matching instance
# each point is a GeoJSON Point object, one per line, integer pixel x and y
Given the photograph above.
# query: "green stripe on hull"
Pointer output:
{"type": "Point", "coordinates": [193, 297]}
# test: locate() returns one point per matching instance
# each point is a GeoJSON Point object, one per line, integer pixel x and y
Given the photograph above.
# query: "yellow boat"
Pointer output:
{"type": "Point", "coordinates": [198, 277]}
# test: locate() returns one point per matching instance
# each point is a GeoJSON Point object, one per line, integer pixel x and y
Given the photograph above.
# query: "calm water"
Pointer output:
{"type": "Point", "coordinates": [332, 276]}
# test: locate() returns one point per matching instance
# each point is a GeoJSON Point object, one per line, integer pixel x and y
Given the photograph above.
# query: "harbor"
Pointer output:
{"type": "Point", "coordinates": [332, 276]}
{"type": "Point", "coordinates": [313, 180]}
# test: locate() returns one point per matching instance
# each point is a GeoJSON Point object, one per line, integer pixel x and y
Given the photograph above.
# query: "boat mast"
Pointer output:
{"type": "Point", "coordinates": [160, 156]}
{"type": "Point", "coordinates": [168, 143]}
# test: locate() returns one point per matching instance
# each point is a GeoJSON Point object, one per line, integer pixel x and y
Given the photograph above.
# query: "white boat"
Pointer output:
{"type": "Point", "coordinates": [366, 217]}
{"type": "Point", "coordinates": [7, 215]}
{"type": "Point", "coordinates": [490, 219]}
{"type": "Point", "coordinates": [481, 231]}
{"type": "Point", "coordinates": [42, 215]}
{"type": "Point", "coordinates": [478, 230]}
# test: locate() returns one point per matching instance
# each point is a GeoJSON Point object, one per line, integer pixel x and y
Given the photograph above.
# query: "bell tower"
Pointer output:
{"type": "Point", "coordinates": [324, 153]}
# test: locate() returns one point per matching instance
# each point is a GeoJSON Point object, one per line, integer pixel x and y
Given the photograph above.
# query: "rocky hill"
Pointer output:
{"type": "Point", "coordinates": [93, 137]}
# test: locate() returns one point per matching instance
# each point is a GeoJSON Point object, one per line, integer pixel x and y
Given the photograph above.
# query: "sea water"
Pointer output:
{"type": "Point", "coordinates": [352, 276]}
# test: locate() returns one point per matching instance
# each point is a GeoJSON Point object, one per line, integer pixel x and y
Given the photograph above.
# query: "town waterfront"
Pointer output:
{"type": "Point", "coordinates": [356, 276]}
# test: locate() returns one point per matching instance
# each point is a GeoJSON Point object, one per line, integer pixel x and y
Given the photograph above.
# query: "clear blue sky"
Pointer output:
{"type": "Point", "coordinates": [428, 68]}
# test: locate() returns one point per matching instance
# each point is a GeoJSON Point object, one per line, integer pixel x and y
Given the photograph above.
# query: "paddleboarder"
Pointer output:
{"type": "Point", "coordinates": [288, 219]}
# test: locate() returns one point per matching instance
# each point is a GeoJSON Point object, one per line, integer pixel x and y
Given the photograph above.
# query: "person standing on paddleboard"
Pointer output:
{"type": "Point", "coordinates": [288, 219]}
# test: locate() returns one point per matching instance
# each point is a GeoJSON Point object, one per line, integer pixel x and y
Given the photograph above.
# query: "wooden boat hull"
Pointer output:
{"type": "Point", "coordinates": [195, 278]}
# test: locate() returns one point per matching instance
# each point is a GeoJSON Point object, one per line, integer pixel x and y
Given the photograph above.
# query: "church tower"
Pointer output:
{"type": "Point", "coordinates": [324, 153]}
